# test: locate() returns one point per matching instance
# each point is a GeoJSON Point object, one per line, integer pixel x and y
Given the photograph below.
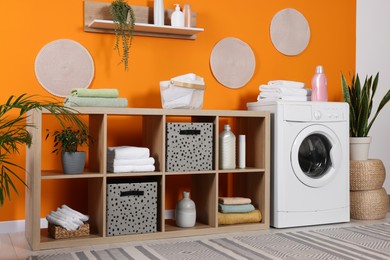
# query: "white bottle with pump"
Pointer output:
{"type": "Point", "coordinates": [318, 85]}
{"type": "Point", "coordinates": [227, 149]}
{"type": "Point", "coordinates": [177, 17]}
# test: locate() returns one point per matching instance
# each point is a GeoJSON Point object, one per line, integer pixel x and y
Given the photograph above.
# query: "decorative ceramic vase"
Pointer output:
{"type": "Point", "coordinates": [185, 212]}
{"type": "Point", "coordinates": [359, 148]}
{"type": "Point", "coordinates": [73, 163]}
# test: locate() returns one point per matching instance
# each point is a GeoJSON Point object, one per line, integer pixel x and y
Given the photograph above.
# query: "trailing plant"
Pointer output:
{"type": "Point", "coordinates": [68, 139]}
{"type": "Point", "coordinates": [14, 134]}
{"type": "Point", "coordinates": [124, 18]}
{"type": "Point", "coordinates": [360, 100]}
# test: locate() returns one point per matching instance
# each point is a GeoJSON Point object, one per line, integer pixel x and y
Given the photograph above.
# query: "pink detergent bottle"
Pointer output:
{"type": "Point", "coordinates": [318, 85]}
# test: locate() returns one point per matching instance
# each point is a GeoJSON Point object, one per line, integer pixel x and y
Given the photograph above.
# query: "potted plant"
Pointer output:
{"type": "Point", "coordinates": [14, 134]}
{"type": "Point", "coordinates": [124, 18]}
{"type": "Point", "coordinates": [360, 100]}
{"type": "Point", "coordinates": [68, 141]}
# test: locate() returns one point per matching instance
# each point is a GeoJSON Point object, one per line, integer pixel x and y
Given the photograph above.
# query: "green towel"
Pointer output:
{"type": "Point", "coordinates": [95, 102]}
{"type": "Point", "coordinates": [239, 208]}
{"type": "Point", "coordinates": [102, 93]}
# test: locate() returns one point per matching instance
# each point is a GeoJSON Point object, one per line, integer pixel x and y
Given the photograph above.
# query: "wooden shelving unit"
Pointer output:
{"type": "Point", "coordinates": [205, 186]}
{"type": "Point", "coordinates": [97, 18]}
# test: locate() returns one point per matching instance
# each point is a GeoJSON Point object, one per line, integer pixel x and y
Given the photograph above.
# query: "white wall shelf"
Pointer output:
{"type": "Point", "coordinates": [98, 19]}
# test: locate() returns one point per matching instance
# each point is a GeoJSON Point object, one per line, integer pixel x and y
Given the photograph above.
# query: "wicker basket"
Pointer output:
{"type": "Point", "coordinates": [367, 175]}
{"type": "Point", "coordinates": [58, 232]}
{"type": "Point", "coordinates": [372, 204]}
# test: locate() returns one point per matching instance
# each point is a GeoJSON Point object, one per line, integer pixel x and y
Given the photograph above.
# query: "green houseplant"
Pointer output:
{"type": "Point", "coordinates": [68, 140]}
{"type": "Point", "coordinates": [124, 18]}
{"type": "Point", "coordinates": [14, 134]}
{"type": "Point", "coordinates": [360, 99]}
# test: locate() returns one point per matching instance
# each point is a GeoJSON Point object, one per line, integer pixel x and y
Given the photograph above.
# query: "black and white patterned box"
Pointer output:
{"type": "Point", "coordinates": [131, 206]}
{"type": "Point", "coordinates": [189, 147]}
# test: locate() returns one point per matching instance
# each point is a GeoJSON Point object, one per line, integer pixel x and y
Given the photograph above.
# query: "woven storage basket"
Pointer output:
{"type": "Point", "coordinates": [372, 204]}
{"type": "Point", "coordinates": [367, 175]}
{"type": "Point", "coordinates": [58, 232]}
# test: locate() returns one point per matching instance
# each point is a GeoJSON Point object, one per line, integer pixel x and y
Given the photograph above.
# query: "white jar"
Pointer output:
{"type": "Point", "coordinates": [185, 212]}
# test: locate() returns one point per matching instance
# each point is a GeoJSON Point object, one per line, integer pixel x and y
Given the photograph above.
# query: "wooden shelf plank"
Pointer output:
{"type": "Point", "coordinates": [151, 28]}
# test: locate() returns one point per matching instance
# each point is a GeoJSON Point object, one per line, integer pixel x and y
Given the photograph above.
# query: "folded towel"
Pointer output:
{"type": "Point", "coordinates": [131, 168]}
{"type": "Point", "coordinates": [95, 102]}
{"type": "Point", "coordinates": [234, 200]}
{"type": "Point", "coordinates": [59, 222]}
{"type": "Point", "coordinates": [75, 213]}
{"type": "Point", "coordinates": [266, 89]}
{"type": "Point", "coordinates": [239, 218]}
{"type": "Point", "coordinates": [287, 98]}
{"type": "Point", "coordinates": [286, 83]}
{"type": "Point", "coordinates": [102, 93]}
{"type": "Point", "coordinates": [121, 162]}
{"type": "Point", "coordinates": [127, 152]}
{"type": "Point", "coordinates": [241, 208]}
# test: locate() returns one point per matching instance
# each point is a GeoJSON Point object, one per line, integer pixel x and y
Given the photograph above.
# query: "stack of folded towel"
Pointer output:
{"type": "Point", "coordinates": [67, 218]}
{"type": "Point", "coordinates": [237, 210]}
{"type": "Point", "coordinates": [81, 97]}
{"type": "Point", "coordinates": [284, 90]}
{"type": "Point", "coordinates": [129, 159]}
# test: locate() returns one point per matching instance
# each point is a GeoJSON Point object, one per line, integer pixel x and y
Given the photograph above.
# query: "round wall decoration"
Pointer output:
{"type": "Point", "coordinates": [62, 65]}
{"type": "Point", "coordinates": [290, 32]}
{"type": "Point", "coordinates": [232, 62]}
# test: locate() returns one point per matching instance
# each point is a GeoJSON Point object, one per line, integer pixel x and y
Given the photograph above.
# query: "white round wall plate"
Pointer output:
{"type": "Point", "coordinates": [290, 32]}
{"type": "Point", "coordinates": [232, 62]}
{"type": "Point", "coordinates": [62, 65]}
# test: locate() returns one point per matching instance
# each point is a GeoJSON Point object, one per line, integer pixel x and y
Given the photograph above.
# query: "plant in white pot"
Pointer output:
{"type": "Point", "coordinates": [360, 100]}
{"type": "Point", "coordinates": [68, 141]}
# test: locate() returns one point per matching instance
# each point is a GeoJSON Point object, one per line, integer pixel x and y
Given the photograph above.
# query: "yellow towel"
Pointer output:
{"type": "Point", "coordinates": [239, 218]}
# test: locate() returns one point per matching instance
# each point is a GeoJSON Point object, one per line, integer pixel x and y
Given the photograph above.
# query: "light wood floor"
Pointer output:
{"type": "Point", "coordinates": [14, 245]}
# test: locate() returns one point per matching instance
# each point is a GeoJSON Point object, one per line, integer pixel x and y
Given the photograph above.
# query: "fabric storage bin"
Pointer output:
{"type": "Point", "coordinates": [131, 206]}
{"type": "Point", "coordinates": [189, 147]}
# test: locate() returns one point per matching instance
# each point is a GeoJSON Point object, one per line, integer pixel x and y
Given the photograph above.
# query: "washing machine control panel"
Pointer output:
{"type": "Point", "coordinates": [328, 114]}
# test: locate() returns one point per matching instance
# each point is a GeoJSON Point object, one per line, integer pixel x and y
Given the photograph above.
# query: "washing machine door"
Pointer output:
{"type": "Point", "coordinates": [315, 155]}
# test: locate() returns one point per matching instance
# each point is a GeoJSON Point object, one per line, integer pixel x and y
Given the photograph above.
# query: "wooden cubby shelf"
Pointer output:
{"type": "Point", "coordinates": [97, 18]}
{"type": "Point", "coordinates": [146, 128]}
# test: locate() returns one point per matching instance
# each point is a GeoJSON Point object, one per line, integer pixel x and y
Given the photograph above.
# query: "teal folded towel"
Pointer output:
{"type": "Point", "coordinates": [102, 92]}
{"type": "Point", "coordinates": [239, 208]}
{"type": "Point", "coordinates": [95, 102]}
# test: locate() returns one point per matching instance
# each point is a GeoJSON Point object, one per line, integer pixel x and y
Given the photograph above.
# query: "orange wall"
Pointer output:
{"type": "Point", "coordinates": [26, 26]}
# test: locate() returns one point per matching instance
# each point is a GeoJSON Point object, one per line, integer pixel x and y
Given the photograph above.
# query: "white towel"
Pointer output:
{"type": "Point", "coordinates": [288, 91]}
{"type": "Point", "coordinates": [287, 98]}
{"type": "Point", "coordinates": [74, 213]}
{"type": "Point", "coordinates": [286, 83]}
{"type": "Point", "coordinates": [121, 162]}
{"type": "Point", "coordinates": [131, 168]}
{"type": "Point", "coordinates": [127, 152]}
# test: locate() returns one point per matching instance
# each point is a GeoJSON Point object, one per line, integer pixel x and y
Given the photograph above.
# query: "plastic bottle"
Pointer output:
{"type": "Point", "coordinates": [158, 12]}
{"type": "Point", "coordinates": [187, 15]}
{"type": "Point", "coordinates": [227, 149]}
{"type": "Point", "coordinates": [241, 152]}
{"type": "Point", "coordinates": [319, 85]}
{"type": "Point", "coordinates": [177, 17]}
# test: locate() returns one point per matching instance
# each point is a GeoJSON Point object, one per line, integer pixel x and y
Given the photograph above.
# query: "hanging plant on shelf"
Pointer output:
{"type": "Point", "coordinates": [124, 18]}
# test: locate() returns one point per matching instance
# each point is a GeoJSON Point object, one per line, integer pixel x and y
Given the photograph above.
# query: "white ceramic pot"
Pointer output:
{"type": "Point", "coordinates": [359, 148]}
{"type": "Point", "coordinates": [185, 212]}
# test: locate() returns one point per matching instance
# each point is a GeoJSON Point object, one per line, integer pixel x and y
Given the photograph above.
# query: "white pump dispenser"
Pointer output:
{"type": "Point", "coordinates": [177, 18]}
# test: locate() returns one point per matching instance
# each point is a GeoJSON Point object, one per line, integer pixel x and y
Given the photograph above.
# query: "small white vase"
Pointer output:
{"type": "Point", "coordinates": [359, 148]}
{"type": "Point", "coordinates": [185, 212]}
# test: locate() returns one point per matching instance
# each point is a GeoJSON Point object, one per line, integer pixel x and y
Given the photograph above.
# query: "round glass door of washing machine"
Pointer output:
{"type": "Point", "coordinates": [315, 155]}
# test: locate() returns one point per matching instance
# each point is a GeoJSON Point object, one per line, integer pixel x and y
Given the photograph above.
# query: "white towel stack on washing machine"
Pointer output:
{"type": "Point", "coordinates": [284, 90]}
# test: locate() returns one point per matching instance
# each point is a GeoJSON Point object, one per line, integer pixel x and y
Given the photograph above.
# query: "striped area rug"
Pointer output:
{"type": "Point", "coordinates": [363, 242]}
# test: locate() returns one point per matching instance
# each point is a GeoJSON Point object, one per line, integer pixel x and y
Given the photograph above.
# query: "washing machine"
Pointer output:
{"type": "Point", "coordinates": [309, 162]}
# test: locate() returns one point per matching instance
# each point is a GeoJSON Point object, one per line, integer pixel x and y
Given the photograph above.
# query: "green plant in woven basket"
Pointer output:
{"type": "Point", "coordinates": [360, 100]}
{"type": "Point", "coordinates": [124, 19]}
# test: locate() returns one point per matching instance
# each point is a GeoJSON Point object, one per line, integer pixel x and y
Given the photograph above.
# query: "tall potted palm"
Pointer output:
{"type": "Point", "coordinates": [14, 134]}
{"type": "Point", "coordinates": [360, 100]}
